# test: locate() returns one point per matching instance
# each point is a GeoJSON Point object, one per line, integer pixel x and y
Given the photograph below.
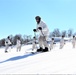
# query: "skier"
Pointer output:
{"type": "Point", "coordinates": [52, 43]}
{"type": "Point", "coordinates": [34, 46]}
{"type": "Point", "coordinates": [18, 44]}
{"type": "Point", "coordinates": [73, 41]}
{"type": "Point", "coordinates": [7, 44]}
{"type": "Point", "coordinates": [62, 42]}
{"type": "Point", "coordinates": [44, 32]}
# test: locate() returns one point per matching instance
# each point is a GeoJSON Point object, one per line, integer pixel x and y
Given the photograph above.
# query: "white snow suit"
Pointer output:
{"type": "Point", "coordinates": [18, 44]}
{"type": "Point", "coordinates": [43, 34]}
{"type": "Point", "coordinates": [73, 42]}
{"type": "Point", "coordinates": [34, 46]}
{"type": "Point", "coordinates": [7, 44]}
{"type": "Point", "coordinates": [62, 42]}
{"type": "Point", "coordinates": [52, 44]}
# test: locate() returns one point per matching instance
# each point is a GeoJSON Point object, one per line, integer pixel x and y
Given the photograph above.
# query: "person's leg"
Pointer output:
{"type": "Point", "coordinates": [33, 45]}
{"type": "Point", "coordinates": [40, 44]}
{"type": "Point", "coordinates": [62, 45]}
{"type": "Point", "coordinates": [19, 48]}
{"type": "Point", "coordinates": [41, 41]}
{"type": "Point", "coordinates": [51, 46]}
{"type": "Point", "coordinates": [73, 45]}
{"type": "Point", "coordinates": [45, 44]}
{"type": "Point", "coordinates": [6, 48]}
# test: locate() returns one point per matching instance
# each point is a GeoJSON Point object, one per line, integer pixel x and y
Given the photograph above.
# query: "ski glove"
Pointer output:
{"type": "Point", "coordinates": [39, 28]}
{"type": "Point", "coordinates": [34, 30]}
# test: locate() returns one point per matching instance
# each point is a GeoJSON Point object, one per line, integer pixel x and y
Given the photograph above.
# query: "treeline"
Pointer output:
{"type": "Point", "coordinates": [66, 33]}
{"type": "Point", "coordinates": [28, 38]}
{"type": "Point", "coordinates": [24, 39]}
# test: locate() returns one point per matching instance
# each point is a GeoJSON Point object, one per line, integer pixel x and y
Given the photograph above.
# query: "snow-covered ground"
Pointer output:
{"type": "Point", "coordinates": [57, 61]}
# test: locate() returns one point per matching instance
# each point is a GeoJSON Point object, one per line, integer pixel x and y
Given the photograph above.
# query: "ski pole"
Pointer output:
{"type": "Point", "coordinates": [43, 35]}
{"type": "Point", "coordinates": [35, 34]}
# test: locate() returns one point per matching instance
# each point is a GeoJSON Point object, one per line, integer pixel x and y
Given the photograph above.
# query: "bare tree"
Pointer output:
{"type": "Point", "coordinates": [64, 33]}
{"type": "Point", "coordinates": [26, 38]}
{"type": "Point", "coordinates": [70, 32]}
{"type": "Point", "coordinates": [2, 42]}
{"type": "Point", "coordinates": [56, 33]}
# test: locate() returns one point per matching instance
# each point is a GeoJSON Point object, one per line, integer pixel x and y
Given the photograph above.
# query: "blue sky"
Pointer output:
{"type": "Point", "coordinates": [18, 16]}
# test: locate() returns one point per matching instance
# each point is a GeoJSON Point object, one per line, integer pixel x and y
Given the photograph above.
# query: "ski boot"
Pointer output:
{"type": "Point", "coordinates": [40, 49]}
{"type": "Point", "coordinates": [45, 50]}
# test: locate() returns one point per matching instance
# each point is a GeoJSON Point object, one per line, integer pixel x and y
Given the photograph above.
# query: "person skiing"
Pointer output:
{"type": "Point", "coordinates": [73, 41]}
{"type": "Point", "coordinates": [18, 44]}
{"type": "Point", "coordinates": [52, 43]}
{"type": "Point", "coordinates": [7, 44]}
{"type": "Point", "coordinates": [34, 46]}
{"type": "Point", "coordinates": [44, 32]}
{"type": "Point", "coordinates": [62, 42]}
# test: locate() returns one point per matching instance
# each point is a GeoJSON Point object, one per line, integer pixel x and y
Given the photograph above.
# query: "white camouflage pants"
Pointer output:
{"type": "Point", "coordinates": [61, 45]}
{"type": "Point", "coordinates": [51, 45]}
{"type": "Point", "coordinates": [42, 42]}
{"type": "Point", "coordinates": [7, 46]}
{"type": "Point", "coordinates": [18, 48]}
{"type": "Point", "coordinates": [73, 44]}
{"type": "Point", "coordinates": [34, 46]}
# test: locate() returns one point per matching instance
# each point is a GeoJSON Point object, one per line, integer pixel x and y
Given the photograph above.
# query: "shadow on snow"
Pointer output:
{"type": "Point", "coordinates": [18, 57]}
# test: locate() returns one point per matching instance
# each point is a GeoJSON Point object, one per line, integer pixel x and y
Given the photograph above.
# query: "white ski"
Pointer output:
{"type": "Point", "coordinates": [30, 51]}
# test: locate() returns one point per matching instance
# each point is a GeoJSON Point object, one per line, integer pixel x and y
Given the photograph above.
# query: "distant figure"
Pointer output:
{"type": "Point", "coordinates": [34, 46]}
{"type": "Point", "coordinates": [52, 43]}
{"type": "Point", "coordinates": [73, 41]}
{"type": "Point", "coordinates": [7, 44]}
{"type": "Point", "coordinates": [18, 43]}
{"type": "Point", "coordinates": [62, 42]}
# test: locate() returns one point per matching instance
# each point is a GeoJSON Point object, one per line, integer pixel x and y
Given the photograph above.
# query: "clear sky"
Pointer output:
{"type": "Point", "coordinates": [18, 16]}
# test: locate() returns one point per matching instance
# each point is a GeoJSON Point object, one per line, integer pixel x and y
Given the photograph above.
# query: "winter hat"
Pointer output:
{"type": "Point", "coordinates": [38, 18]}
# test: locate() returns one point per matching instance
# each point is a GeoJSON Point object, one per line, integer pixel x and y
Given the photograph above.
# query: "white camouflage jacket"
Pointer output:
{"type": "Point", "coordinates": [45, 30]}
